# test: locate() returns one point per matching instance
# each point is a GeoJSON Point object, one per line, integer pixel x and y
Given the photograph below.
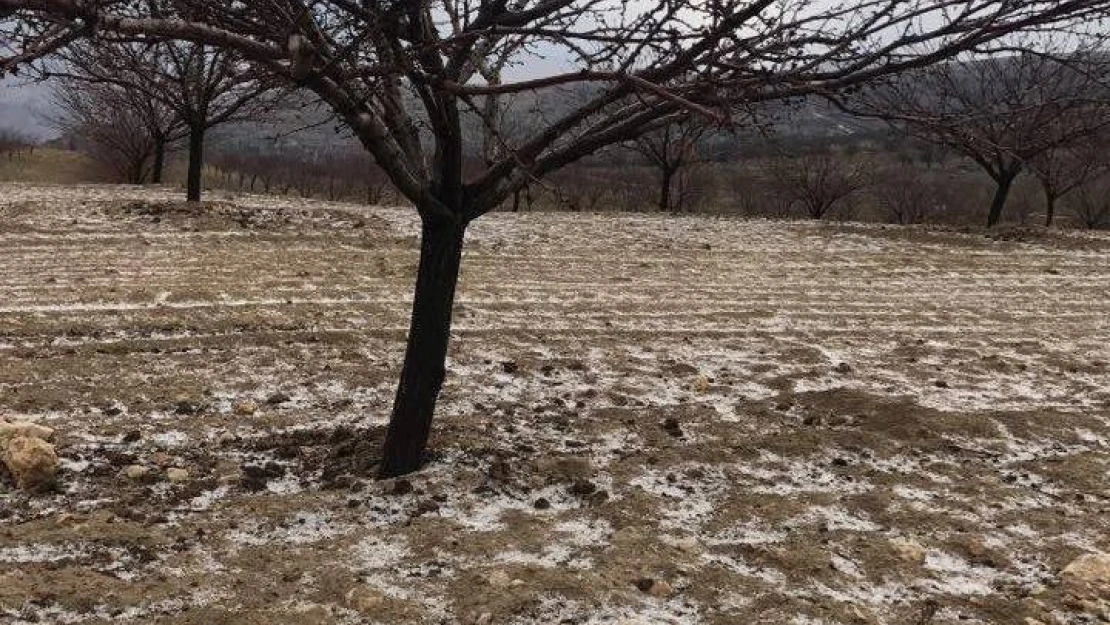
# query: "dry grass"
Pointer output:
{"type": "Point", "coordinates": [49, 166]}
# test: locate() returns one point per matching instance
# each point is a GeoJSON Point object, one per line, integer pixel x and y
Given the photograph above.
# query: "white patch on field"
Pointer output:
{"type": "Point", "coordinates": [558, 609]}
{"type": "Point", "coordinates": [958, 577]}
{"type": "Point", "coordinates": [585, 532]}
{"type": "Point", "coordinates": [833, 519]}
{"type": "Point", "coordinates": [38, 553]}
{"type": "Point", "coordinates": [208, 498]}
{"type": "Point", "coordinates": [73, 466]}
{"type": "Point", "coordinates": [688, 502]}
{"type": "Point", "coordinates": [552, 556]}
{"type": "Point", "coordinates": [750, 533]}
{"type": "Point", "coordinates": [793, 477]}
{"type": "Point", "coordinates": [299, 529]}
{"type": "Point", "coordinates": [170, 438]}
{"type": "Point", "coordinates": [735, 565]}
{"type": "Point", "coordinates": [379, 552]}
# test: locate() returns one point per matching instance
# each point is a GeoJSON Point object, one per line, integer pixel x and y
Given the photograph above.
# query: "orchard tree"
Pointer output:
{"type": "Point", "coordinates": [1063, 170]}
{"type": "Point", "coordinates": [671, 151]}
{"type": "Point", "coordinates": [184, 88]}
{"type": "Point", "coordinates": [821, 181]}
{"type": "Point", "coordinates": [121, 127]}
{"type": "Point", "coordinates": [1003, 112]}
{"type": "Point", "coordinates": [401, 76]}
{"type": "Point", "coordinates": [109, 127]}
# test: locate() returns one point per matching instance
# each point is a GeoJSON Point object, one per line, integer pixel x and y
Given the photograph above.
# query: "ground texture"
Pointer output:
{"type": "Point", "coordinates": [646, 420]}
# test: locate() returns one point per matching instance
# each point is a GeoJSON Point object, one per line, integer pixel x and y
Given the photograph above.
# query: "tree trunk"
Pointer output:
{"type": "Point", "coordinates": [999, 201]}
{"type": "Point", "coordinates": [196, 163]}
{"type": "Point", "coordinates": [426, 354]}
{"type": "Point", "coordinates": [1049, 208]}
{"type": "Point", "coordinates": [159, 160]}
{"type": "Point", "coordinates": [665, 190]}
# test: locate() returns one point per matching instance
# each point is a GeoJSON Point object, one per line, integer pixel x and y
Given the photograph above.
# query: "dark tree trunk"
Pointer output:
{"type": "Point", "coordinates": [159, 160]}
{"type": "Point", "coordinates": [999, 201]}
{"type": "Point", "coordinates": [1049, 208]}
{"type": "Point", "coordinates": [426, 354]}
{"type": "Point", "coordinates": [665, 189]}
{"type": "Point", "coordinates": [196, 163]}
{"type": "Point", "coordinates": [137, 174]}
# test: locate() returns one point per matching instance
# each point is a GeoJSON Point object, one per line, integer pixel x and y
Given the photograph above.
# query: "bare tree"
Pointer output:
{"type": "Point", "coordinates": [182, 90]}
{"type": "Point", "coordinates": [904, 195]}
{"type": "Point", "coordinates": [671, 150]}
{"type": "Point", "coordinates": [401, 77]}
{"type": "Point", "coordinates": [108, 127]}
{"type": "Point", "coordinates": [1090, 203]}
{"type": "Point", "coordinates": [821, 181]}
{"type": "Point", "coordinates": [1002, 112]}
{"type": "Point", "coordinates": [1068, 167]}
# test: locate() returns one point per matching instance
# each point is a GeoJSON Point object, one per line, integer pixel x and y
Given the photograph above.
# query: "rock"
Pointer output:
{"type": "Point", "coordinates": [161, 459]}
{"type": "Point", "coordinates": [177, 475]}
{"type": "Point", "coordinates": [542, 504]}
{"type": "Point", "coordinates": [843, 368]}
{"type": "Point", "coordinates": [977, 550]}
{"type": "Point", "coordinates": [32, 462]}
{"type": "Point", "coordinates": [701, 385]}
{"type": "Point", "coordinates": [688, 544]}
{"type": "Point", "coordinates": [401, 487]}
{"type": "Point", "coordinates": [510, 367]}
{"type": "Point", "coordinates": [1088, 577]}
{"type": "Point", "coordinates": [485, 618]}
{"type": "Point", "coordinates": [244, 407]}
{"type": "Point", "coordinates": [278, 398]}
{"type": "Point", "coordinates": [654, 587]}
{"type": "Point", "coordinates": [132, 436]}
{"type": "Point", "coordinates": [187, 408]}
{"type": "Point", "coordinates": [12, 429]}
{"type": "Point", "coordinates": [908, 550]}
{"type": "Point", "coordinates": [364, 599]}
{"type": "Point", "coordinates": [499, 579]}
{"type": "Point", "coordinates": [136, 472]}
{"type": "Point", "coordinates": [673, 427]}
{"type": "Point", "coordinates": [582, 488]}
{"type": "Point", "coordinates": [661, 589]}
{"type": "Point", "coordinates": [230, 479]}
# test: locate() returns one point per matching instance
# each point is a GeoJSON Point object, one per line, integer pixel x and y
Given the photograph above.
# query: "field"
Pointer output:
{"type": "Point", "coordinates": [646, 419]}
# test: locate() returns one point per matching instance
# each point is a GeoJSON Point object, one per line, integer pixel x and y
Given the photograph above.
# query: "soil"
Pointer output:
{"type": "Point", "coordinates": [646, 419]}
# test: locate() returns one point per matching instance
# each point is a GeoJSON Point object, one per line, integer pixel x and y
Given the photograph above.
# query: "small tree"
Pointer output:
{"type": "Point", "coordinates": [1090, 204]}
{"type": "Point", "coordinates": [1068, 167]}
{"type": "Point", "coordinates": [671, 151]}
{"type": "Point", "coordinates": [104, 123]}
{"type": "Point", "coordinates": [904, 195]}
{"type": "Point", "coordinates": [820, 181]}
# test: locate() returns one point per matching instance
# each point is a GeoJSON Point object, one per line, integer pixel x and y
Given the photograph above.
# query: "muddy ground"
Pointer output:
{"type": "Point", "coordinates": [646, 419]}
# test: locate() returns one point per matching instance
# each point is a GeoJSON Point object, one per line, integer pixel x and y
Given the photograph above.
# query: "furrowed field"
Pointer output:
{"type": "Point", "coordinates": [646, 419]}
